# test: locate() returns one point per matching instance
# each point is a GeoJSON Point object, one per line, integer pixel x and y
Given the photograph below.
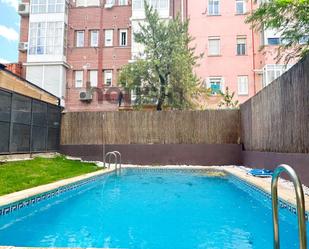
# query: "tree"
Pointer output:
{"type": "Point", "coordinates": [228, 99]}
{"type": "Point", "coordinates": [291, 19]}
{"type": "Point", "coordinates": [164, 73]}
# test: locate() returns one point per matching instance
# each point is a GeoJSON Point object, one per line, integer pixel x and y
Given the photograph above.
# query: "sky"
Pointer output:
{"type": "Point", "coordinates": [9, 31]}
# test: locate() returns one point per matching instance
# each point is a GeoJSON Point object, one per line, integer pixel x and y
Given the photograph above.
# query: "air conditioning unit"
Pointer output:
{"type": "Point", "coordinates": [108, 5]}
{"type": "Point", "coordinates": [23, 46]}
{"type": "Point", "coordinates": [85, 96]}
{"type": "Point", "coordinates": [23, 9]}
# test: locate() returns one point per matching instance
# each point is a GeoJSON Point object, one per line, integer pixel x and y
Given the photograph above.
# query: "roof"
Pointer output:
{"type": "Point", "coordinates": [3, 68]}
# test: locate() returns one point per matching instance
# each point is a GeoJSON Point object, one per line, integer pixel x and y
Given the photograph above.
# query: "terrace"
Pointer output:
{"type": "Point", "coordinates": [182, 184]}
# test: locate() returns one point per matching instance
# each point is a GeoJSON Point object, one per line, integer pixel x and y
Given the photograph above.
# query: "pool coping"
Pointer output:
{"type": "Point", "coordinates": [31, 192]}
{"type": "Point", "coordinates": [285, 193]}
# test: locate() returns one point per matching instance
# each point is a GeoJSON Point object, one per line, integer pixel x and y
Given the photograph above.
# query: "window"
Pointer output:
{"type": "Point", "coordinates": [109, 37]}
{"type": "Point", "coordinates": [123, 37]}
{"type": "Point", "coordinates": [138, 4]}
{"type": "Point", "coordinates": [272, 72]}
{"type": "Point", "coordinates": [213, 46]}
{"type": "Point", "coordinates": [214, 7]}
{"type": "Point", "coordinates": [80, 35]}
{"type": "Point", "coordinates": [304, 40]}
{"type": "Point", "coordinates": [46, 38]}
{"type": "Point", "coordinates": [47, 6]}
{"type": "Point", "coordinates": [79, 75]}
{"type": "Point", "coordinates": [108, 77]}
{"type": "Point", "coordinates": [93, 78]}
{"type": "Point", "coordinates": [163, 4]}
{"type": "Point", "coordinates": [94, 38]}
{"type": "Point", "coordinates": [240, 7]}
{"type": "Point", "coordinates": [110, 2]}
{"type": "Point", "coordinates": [215, 85]}
{"type": "Point", "coordinates": [123, 2]}
{"type": "Point", "coordinates": [273, 41]}
{"type": "Point", "coordinates": [241, 45]}
{"type": "Point", "coordinates": [242, 83]}
{"type": "Point", "coordinates": [85, 3]}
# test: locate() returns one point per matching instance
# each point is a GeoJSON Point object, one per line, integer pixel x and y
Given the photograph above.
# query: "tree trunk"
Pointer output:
{"type": "Point", "coordinates": [162, 93]}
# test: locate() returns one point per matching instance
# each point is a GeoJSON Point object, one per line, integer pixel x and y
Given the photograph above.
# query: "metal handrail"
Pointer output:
{"type": "Point", "coordinates": [108, 155]}
{"type": "Point", "coordinates": [119, 154]}
{"type": "Point", "coordinates": [299, 202]}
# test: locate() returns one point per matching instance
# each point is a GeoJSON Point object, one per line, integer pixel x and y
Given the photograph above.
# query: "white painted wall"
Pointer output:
{"type": "Point", "coordinates": [51, 78]}
{"type": "Point", "coordinates": [47, 70]}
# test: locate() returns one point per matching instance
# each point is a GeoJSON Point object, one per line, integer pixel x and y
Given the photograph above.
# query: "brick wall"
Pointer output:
{"type": "Point", "coordinates": [96, 58]}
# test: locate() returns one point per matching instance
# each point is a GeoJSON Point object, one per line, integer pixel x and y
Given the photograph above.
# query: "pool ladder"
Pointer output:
{"type": "Point", "coordinates": [116, 155]}
{"type": "Point", "coordinates": [300, 203]}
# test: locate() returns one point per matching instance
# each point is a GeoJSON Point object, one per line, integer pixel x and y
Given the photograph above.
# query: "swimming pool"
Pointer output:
{"type": "Point", "coordinates": [152, 208]}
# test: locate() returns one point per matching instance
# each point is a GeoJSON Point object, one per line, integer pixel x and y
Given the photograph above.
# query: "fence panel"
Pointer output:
{"type": "Point", "coordinates": [28, 125]}
{"type": "Point", "coordinates": [140, 127]}
{"type": "Point", "coordinates": [277, 118]}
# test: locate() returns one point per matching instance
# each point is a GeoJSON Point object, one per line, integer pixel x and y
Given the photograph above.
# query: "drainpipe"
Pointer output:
{"type": "Point", "coordinates": [253, 53]}
{"type": "Point", "coordinates": [100, 51]}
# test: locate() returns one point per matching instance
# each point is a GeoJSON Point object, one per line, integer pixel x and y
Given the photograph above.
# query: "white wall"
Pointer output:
{"type": "Point", "coordinates": [51, 78]}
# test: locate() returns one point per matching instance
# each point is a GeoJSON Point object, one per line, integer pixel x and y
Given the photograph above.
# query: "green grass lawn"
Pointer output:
{"type": "Point", "coordinates": [19, 175]}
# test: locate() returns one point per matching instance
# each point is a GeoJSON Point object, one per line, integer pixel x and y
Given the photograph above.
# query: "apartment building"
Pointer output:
{"type": "Point", "coordinates": [75, 49]}
{"type": "Point", "coordinates": [232, 50]}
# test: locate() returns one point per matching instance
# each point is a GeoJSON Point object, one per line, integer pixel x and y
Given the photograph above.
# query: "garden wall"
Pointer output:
{"type": "Point", "coordinates": [275, 122]}
{"type": "Point", "coordinates": [270, 129]}
{"type": "Point", "coordinates": [167, 137]}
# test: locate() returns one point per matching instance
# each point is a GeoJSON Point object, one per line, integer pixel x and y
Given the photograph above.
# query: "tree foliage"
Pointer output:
{"type": "Point", "coordinates": [291, 19]}
{"type": "Point", "coordinates": [228, 99]}
{"type": "Point", "coordinates": [163, 74]}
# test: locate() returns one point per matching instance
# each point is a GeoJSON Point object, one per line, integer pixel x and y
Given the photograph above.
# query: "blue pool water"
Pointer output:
{"type": "Point", "coordinates": [151, 209]}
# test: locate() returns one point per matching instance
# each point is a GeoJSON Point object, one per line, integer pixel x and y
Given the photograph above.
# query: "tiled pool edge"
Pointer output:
{"type": "Point", "coordinates": [24, 198]}
{"type": "Point", "coordinates": [287, 198]}
{"type": "Point", "coordinates": [18, 200]}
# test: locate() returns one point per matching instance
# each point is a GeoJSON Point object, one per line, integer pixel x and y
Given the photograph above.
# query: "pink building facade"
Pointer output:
{"type": "Point", "coordinates": [232, 55]}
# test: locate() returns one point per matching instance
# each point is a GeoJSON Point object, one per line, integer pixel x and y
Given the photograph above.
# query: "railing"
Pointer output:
{"type": "Point", "coordinates": [299, 202]}
{"type": "Point", "coordinates": [117, 156]}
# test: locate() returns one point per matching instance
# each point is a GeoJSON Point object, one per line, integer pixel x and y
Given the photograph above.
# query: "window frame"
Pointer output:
{"type": "Point", "coordinates": [106, 44]}
{"type": "Point", "coordinates": [97, 39]}
{"type": "Point", "coordinates": [93, 73]}
{"type": "Point", "coordinates": [123, 2]}
{"type": "Point", "coordinates": [107, 72]}
{"type": "Point", "coordinates": [243, 7]}
{"type": "Point", "coordinates": [273, 38]}
{"type": "Point", "coordinates": [242, 49]}
{"type": "Point", "coordinates": [213, 12]}
{"type": "Point", "coordinates": [77, 38]}
{"type": "Point", "coordinates": [46, 38]}
{"type": "Point", "coordinates": [214, 78]}
{"type": "Point", "coordinates": [37, 7]}
{"type": "Point", "coordinates": [121, 31]}
{"type": "Point", "coordinates": [81, 84]}
{"type": "Point", "coordinates": [214, 38]}
{"type": "Point", "coordinates": [239, 82]}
